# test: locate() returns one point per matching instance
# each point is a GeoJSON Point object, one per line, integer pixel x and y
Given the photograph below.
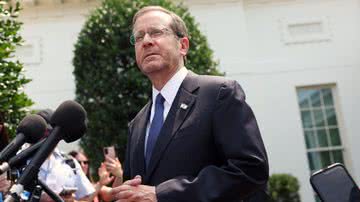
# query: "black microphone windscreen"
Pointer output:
{"type": "Point", "coordinates": [33, 127]}
{"type": "Point", "coordinates": [70, 116]}
{"type": "Point", "coordinates": [46, 114]}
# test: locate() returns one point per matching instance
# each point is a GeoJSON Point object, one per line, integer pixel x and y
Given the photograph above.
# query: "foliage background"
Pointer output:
{"type": "Point", "coordinates": [108, 82]}
{"type": "Point", "coordinates": [14, 102]}
{"type": "Point", "coordinates": [284, 188]}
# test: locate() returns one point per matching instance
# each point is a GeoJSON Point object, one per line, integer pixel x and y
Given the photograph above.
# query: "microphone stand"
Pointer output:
{"type": "Point", "coordinates": [47, 190]}
{"type": "Point", "coordinates": [36, 194]}
{"type": "Point", "coordinates": [19, 160]}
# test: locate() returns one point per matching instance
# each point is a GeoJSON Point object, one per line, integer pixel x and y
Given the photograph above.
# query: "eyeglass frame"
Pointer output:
{"type": "Point", "coordinates": [167, 30]}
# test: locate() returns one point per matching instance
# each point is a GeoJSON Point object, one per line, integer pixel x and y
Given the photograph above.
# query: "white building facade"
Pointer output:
{"type": "Point", "coordinates": [297, 61]}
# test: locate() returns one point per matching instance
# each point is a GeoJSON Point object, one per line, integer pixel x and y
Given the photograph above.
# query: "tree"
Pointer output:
{"type": "Point", "coordinates": [108, 82]}
{"type": "Point", "coordinates": [284, 188]}
{"type": "Point", "coordinates": [13, 101]}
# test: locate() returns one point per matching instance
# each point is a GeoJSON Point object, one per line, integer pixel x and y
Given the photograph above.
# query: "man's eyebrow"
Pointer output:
{"type": "Point", "coordinates": [152, 27]}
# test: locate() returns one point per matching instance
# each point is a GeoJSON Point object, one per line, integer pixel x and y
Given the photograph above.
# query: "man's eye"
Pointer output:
{"type": "Point", "coordinates": [156, 32]}
{"type": "Point", "coordinates": [139, 38]}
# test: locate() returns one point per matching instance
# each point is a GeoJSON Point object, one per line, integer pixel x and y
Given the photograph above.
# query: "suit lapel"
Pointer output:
{"type": "Point", "coordinates": [180, 109]}
{"type": "Point", "coordinates": [139, 132]}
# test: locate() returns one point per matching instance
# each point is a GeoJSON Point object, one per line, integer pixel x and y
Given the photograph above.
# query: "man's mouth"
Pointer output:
{"type": "Point", "coordinates": [150, 54]}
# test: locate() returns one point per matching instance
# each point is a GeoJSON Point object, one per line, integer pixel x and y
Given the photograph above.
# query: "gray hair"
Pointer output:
{"type": "Point", "coordinates": [177, 25]}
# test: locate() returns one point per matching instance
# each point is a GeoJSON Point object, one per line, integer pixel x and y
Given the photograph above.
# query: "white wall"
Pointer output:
{"type": "Point", "coordinates": [249, 38]}
{"type": "Point", "coordinates": [252, 42]}
{"type": "Point", "coordinates": [52, 31]}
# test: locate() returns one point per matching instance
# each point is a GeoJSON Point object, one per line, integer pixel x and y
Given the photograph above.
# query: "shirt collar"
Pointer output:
{"type": "Point", "coordinates": [171, 88]}
{"type": "Point", "coordinates": [57, 152]}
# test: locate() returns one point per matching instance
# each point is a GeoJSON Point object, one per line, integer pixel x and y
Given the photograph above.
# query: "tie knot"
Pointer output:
{"type": "Point", "coordinates": [159, 99]}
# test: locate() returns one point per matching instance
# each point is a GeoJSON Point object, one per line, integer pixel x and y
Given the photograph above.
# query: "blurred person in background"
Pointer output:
{"type": "Point", "coordinates": [83, 161]}
{"type": "Point", "coordinates": [109, 171]}
{"type": "Point", "coordinates": [60, 170]}
{"type": "Point", "coordinates": [4, 140]}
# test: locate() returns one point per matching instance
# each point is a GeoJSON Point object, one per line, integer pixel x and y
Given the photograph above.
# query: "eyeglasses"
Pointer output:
{"type": "Point", "coordinates": [83, 162]}
{"type": "Point", "coordinates": [154, 33]}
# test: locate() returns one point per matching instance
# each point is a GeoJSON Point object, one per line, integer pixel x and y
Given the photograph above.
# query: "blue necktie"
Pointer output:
{"type": "Point", "coordinates": [155, 127]}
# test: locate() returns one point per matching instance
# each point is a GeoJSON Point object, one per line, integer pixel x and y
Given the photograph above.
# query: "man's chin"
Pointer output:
{"type": "Point", "coordinates": [150, 68]}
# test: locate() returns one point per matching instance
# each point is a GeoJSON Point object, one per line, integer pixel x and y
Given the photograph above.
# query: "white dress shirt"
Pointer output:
{"type": "Point", "coordinates": [56, 174]}
{"type": "Point", "coordinates": [169, 92]}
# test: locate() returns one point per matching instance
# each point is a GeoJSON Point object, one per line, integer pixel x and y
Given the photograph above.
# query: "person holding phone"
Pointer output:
{"type": "Point", "coordinates": [110, 166]}
{"type": "Point", "coordinates": [113, 165]}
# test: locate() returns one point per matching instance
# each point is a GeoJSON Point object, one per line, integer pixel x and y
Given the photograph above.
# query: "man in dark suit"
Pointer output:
{"type": "Point", "coordinates": [197, 139]}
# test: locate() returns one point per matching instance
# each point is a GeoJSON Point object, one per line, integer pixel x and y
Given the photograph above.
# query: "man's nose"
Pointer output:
{"type": "Point", "coordinates": [147, 39]}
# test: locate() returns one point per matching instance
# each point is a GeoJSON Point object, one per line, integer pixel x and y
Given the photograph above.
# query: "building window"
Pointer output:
{"type": "Point", "coordinates": [320, 125]}
{"type": "Point", "coordinates": [306, 30]}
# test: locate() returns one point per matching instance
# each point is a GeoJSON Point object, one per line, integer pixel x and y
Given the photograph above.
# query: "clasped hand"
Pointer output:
{"type": "Point", "coordinates": [133, 191]}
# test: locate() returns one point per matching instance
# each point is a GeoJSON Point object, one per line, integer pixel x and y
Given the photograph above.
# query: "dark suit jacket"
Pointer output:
{"type": "Point", "coordinates": [210, 151]}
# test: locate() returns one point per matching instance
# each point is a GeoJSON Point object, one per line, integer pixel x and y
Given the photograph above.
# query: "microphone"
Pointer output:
{"type": "Point", "coordinates": [69, 122]}
{"type": "Point", "coordinates": [71, 117]}
{"type": "Point", "coordinates": [46, 114]}
{"type": "Point", "coordinates": [30, 130]}
{"type": "Point", "coordinates": [20, 159]}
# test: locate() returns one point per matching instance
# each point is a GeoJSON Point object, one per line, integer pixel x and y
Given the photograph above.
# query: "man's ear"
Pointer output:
{"type": "Point", "coordinates": [184, 45]}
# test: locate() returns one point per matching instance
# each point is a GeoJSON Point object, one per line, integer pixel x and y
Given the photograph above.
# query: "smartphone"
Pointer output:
{"type": "Point", "coordinates": [334, 184]}
{"type": "Point", "coordinates": [68, 190]}
{"type": "Point", "coordinates": [110, 152]}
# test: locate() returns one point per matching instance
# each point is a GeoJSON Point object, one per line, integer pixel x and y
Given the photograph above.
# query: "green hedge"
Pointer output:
{"type": "Point", "coordinates": [284, 188]}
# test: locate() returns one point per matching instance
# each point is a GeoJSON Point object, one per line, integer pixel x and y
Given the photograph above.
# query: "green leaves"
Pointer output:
{"type": "Point", "coordinates": [284, 188]}
{"type": "Point", "coordinates": [13, 101]}
{"type": "Point", "coordinates": [108, 82]}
